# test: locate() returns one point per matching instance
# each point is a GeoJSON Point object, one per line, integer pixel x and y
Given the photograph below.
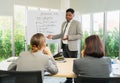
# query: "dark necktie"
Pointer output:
{"type": "Point", "coordinates": [65, 27]}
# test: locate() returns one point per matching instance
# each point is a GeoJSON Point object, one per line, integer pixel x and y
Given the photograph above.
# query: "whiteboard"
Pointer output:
{"type": "Point", "coordinates": [46, 22]}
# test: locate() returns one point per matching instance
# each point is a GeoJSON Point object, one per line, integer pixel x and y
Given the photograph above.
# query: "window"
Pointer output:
{"type": "Point", "coordinates": [95, 23]}
{"type": "Point", "coordinates": [85, 27]}
{"type": "Point", "coordinates": [98, 22]}
{"type": "Point", "coordinates": [5, 37]}
{"type": "Point", "coordinates": [112, 44]}
{"type": "Point", "coordinates": [86, 23]}
{"type": "Point", "coordinates": [19, 29]}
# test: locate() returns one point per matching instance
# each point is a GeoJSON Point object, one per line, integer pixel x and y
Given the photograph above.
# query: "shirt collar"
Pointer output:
{"type": "Point", "coordinates": [70, 21]}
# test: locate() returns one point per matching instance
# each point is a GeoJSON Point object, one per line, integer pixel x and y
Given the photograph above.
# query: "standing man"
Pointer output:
{"type": "Point", "coordinates": [71, 32]}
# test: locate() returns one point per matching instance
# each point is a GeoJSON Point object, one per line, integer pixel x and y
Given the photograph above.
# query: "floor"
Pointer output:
{"type": "Point", "coordinates": [54, 80]}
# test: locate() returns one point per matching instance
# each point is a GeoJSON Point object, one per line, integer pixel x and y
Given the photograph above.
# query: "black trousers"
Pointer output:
{"type": "Point", "coordinates": [69, 54]}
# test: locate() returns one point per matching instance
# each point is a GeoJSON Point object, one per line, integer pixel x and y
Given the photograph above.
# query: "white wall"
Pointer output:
{"type": "Point", "coordinates": [6, 7]}
{"type": "Point", "coordinates": [88, 6]}
{"type": "Point", "coordinates": [83, 6]}
{"type": "Point", "coordinates": [64, 4]}
{"type": "Point", "coordinates": [54, 4]}
{"type": "Point", "coordinates": [51, 4]}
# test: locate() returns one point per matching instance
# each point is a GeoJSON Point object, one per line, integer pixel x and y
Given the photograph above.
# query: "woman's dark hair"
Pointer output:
{"type": "Point", "coordinates": [70, 10]}
{"type": "Point", "coordinates": [94, 47]}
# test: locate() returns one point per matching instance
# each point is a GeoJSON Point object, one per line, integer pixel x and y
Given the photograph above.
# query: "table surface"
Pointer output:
{"type": "Point", "coordinates": [65, 68]}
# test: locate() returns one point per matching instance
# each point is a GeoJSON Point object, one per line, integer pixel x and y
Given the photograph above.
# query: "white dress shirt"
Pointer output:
{"type": "Point", "coordinates": [66, 31]}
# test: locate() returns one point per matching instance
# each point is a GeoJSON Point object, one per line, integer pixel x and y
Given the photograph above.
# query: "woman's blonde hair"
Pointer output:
{"type": "Point", "coordinates": [37, 42]}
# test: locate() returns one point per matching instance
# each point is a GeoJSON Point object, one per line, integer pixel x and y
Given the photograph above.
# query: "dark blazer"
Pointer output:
{"type": "Point", "coordinates": [90, 66]}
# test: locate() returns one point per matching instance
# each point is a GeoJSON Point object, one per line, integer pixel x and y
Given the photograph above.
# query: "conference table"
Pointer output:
{"type": "Point", "coordinates": [65, 67]}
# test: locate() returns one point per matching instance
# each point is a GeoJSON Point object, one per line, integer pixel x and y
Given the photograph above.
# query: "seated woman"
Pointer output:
{"type": "Point", "coordinates": [93, 63]}
{"type": "Point", "coordinates": [39, 58]}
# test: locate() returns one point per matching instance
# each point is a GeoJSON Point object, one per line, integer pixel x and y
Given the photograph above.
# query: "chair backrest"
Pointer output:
{"type": "Point", "coordinates": [21, 77]}
{"type": "Point", "coordinates": [84, 79]}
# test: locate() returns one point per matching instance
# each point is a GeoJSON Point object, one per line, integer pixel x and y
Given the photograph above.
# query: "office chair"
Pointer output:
{"type": "Point", "coordinates": [85, 79]}
{"type": "Point", "coordinates": [21, 77]}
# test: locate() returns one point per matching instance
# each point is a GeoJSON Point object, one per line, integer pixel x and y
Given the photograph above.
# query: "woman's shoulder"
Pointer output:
{"type": "Point", "coordinates": [45, 56]}
{"type": "Point", "coordinates": [107, 58]}
{"type": "Point", "coordinates": [79, 60]}
{"type": "Point", "coordinates": [85, 59]}
{"type": "Point", "coordinates": [24, 53]}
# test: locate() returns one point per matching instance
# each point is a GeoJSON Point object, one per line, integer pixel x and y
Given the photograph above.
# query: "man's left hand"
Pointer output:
{"type": "Point", "coordinates": [65, 38]}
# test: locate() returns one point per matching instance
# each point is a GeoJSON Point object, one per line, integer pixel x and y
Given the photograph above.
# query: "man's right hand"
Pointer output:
{"type": "Point", "coordinates": [49, 36]}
